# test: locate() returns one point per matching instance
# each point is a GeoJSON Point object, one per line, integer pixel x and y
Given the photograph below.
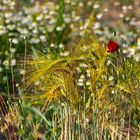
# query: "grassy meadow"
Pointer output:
{"type": "Point", "coordinates": [69, 70]}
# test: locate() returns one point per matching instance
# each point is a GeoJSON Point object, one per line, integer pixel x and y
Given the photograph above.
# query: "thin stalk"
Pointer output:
{"type": "Point", "coordinates": [129, 127]}
{"type": "Point", "coordinates": [25, 56]}
{"type": "Point", "coordinates": [12, 73]}
{"type": "Point", "coordinates": [84, 113]}
{"type": "Point", "coordinates": [105, 130]}
{"type": "Point", "coordinates": [122, 126]}
{"type": "Point", "coordinates": [74, 128]}
{"type": "Point", "coordinates": [69, 116]}
{"type": "Point", "coordinates": [62, 124]}
{"type": "Point", "coordinates": [7, 82]}
{"type": "Point", "coordinates": [54, 128]}
{"type": "Point", "coordinates": [115, 123]}
{"type": "Point", "coordinates": [93, 118]}
{"type": "Point", "coordinates": [84, 129]}
{"type": "Point", "coordinates": [79, 125]}
{"type": "Point", "coordinates": [66, 124]}
{"type": "Point", "coordinates": [102, 130]}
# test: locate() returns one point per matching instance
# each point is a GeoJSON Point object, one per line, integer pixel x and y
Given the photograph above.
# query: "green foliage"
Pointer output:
{"type": "Point", "coordinates": [113, 89]}
{"type": "Point", "coordinates": [59, 80]}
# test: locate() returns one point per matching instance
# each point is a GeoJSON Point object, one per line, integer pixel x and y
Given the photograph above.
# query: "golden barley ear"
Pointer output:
{"type": "Point", "coordinates": [53, 78]}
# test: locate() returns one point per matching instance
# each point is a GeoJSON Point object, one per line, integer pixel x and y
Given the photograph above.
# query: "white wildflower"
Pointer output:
{"type": "Point", "coordinates": [99, 16]}
{"type": "Point", "coordinates": [88, 83]}
{"type": "Point", "coordinates": [6, 63]}
{"type": "Point", "coordinates": [96, 6]}
{"type": "Point", "coordinates": [110, 78]}
{"type": "Point", "coordinates": [14, 41]}
{"type": "Point", "coordinates": [80, 84]}
{"type": "Point", "coordinates": [61, 45]}
{"type": "Point", "coordinates": [52, 45]}
{"type": "Point", "coordinates": [42, 38]}
{"type": "Point", "coordinates": [13, 62]}
{"type": "Point", "coordinates": [22, 72]}
{"type": "Point", "coordinates": [83, 65]}
{"type": "Point", "coordinates": [137, 57]}
{"type": "Point", "coordinates": [66, 53]}
{"type": "Point", "coordinates": [59, 28]}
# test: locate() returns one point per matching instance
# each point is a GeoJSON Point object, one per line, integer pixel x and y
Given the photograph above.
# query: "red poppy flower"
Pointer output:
{"type": "Point", "coordinates": [112, 46]}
